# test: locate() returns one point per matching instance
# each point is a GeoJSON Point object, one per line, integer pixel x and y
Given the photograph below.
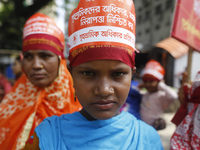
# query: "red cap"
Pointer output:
{"type": "Point", "coordinates": [103, 29]}
{"type": "Point", "coordinates": [154, 69]}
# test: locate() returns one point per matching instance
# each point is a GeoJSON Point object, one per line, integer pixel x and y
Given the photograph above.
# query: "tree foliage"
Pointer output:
{"type": "Point", "coordinates": [13, 15]}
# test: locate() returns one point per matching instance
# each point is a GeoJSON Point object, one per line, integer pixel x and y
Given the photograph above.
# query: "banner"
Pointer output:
{"type": "Point", "coordinates": [186, 24]}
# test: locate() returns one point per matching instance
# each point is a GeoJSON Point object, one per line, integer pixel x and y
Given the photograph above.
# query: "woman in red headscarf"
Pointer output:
{"type": "Point", "coordinates": [187, 119]}
{"type": "Point", "coordinates": [158, 97]}
{"type": "Point", "coordinates": [45, 89]}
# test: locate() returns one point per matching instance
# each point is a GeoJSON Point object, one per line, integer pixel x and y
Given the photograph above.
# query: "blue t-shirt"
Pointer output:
{"type": "Point", "coordinates": [133, 100]}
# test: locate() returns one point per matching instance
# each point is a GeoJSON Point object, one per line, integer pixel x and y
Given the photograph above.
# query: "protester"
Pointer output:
{"type": "Point", "coordinates": [45, 88]}
{"type": "Point", "coordinates": [5, 86]}
{"type": "Point", "coordinates": [17, 68]}
{"type": "Point", "coordinates": [186, 135]}
{"type": "Point", "coordinates": [158, 97]}
{"type": "Point", "coordinates": [102, 68]}
{"type": "Point", "coordinates": [132, 104]}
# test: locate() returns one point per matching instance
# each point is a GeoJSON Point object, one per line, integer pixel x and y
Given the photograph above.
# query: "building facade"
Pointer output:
{"type": "Point", "coordinates": [153, 21]}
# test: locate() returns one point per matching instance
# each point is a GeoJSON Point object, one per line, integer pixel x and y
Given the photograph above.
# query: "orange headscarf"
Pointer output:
{"type": "Point", "coordinates": [27, 105]}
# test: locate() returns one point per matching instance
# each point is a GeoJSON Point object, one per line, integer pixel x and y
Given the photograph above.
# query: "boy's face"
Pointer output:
{"type": "Point", "coordinates": [151, 85]}
{"type": "Point", "coordinates": [102, 87]}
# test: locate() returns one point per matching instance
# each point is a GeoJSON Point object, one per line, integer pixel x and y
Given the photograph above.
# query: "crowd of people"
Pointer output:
{"type": "Point", "coordinates": [92, 102]}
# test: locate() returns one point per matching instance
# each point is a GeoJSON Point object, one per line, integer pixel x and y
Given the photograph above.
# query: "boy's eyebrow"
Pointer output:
{"type": "Point", "coordinates": [86, 67]}
{"type": "Point", "coordinates": [93, 68]}
{"type": "Point", "coordinates": [118, 69]}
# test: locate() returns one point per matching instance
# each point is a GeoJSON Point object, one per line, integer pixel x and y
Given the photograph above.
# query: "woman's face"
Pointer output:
{"type": "Point", "coordinates": [41, 67]}
{"type": "Point", "coordinates": [16, 68]}
{"type": "Point", "coordinates": [102, 87]}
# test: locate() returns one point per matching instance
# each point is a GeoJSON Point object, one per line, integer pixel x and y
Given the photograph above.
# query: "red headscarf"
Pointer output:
{"type": "Point", "coordinates": [41, 32]}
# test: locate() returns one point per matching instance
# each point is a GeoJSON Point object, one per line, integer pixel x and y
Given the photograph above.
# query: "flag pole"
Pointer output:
{"type": "Point", "coordinates": [189, 64]}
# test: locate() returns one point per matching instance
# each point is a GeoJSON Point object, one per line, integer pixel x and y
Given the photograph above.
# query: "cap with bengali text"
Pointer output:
{"type": "Point", "coordinates": [101, 29]}
{"type": "Point", "coordinates": [41, 32]}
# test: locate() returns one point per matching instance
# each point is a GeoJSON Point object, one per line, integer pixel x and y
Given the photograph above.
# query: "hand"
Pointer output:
{"type": "Point", "coordinates": [184, 89]}
{"type": "Point", "coordinates": [140, 86]}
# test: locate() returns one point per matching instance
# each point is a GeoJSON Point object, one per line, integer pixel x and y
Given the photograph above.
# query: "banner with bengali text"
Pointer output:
{"type": "Point", "coordinates": [186, 24]}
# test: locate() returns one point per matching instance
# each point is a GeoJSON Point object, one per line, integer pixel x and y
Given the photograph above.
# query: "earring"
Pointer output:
{"type": "Point", "coordinates": [41, 66]}
{"type": "Point", "coordinates": [74, 97]}
{"type": "Point", "coordinates": [111, 89]}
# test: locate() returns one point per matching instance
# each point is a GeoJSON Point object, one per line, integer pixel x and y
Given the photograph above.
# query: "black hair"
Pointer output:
{"type": "Point", "coordinates": [18, 58]}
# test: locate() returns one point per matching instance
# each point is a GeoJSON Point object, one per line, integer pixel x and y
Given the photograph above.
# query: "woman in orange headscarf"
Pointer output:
{"type": "Point", "coordinates": [44, 90]}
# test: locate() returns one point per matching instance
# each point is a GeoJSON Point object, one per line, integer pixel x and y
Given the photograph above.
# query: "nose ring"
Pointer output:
{"type": "Point", "coordinates": [111, 89]}
{"type": "Point", "coordinates": [41, 66]}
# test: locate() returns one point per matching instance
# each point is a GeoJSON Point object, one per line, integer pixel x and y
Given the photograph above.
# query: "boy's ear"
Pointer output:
{"type": "Point", "coordinates": [133, 71]}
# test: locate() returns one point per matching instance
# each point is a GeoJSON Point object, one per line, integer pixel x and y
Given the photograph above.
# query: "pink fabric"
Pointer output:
{"type": "Point", "coordinates": [187, 133]}
{"type": "Point", "coordinates": [5, 84]}
{"type": "Point", "coordinates": [154, 104]}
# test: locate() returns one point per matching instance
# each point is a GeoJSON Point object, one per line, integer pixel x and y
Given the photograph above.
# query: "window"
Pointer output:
{"type": "Point", "coordinates": [157, 27]}
{"type": "Point", "coordinates": [139, 33]}
{"type": "Point", "coordinates": [147, 15]}
{"type": "Point", "coordinates": [167, 23]}
{"type": "Point", "coordinates": [139, 9]}
{"type": "Point", "coordinates": [169, 4]}
{"type": "Point", "coordinates": [147, 30]}
{"type": "Point", "coordinates": [158, 10]}
{"type": "Point", "coordinates": [139, 19]}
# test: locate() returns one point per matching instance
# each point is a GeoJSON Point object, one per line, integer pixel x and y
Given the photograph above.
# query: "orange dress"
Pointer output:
{"type": "Point", "coordinates": [27, 105]}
